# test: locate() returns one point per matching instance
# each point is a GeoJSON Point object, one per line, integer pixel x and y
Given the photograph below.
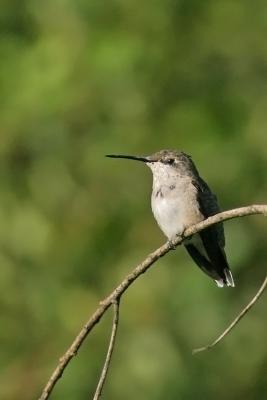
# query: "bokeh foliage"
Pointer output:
{"type": "Point", "coordinates": [83, 78]}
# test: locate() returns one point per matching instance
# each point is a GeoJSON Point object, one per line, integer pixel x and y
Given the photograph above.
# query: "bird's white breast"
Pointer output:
{"type": "Point", "coordinates": [175, 206]}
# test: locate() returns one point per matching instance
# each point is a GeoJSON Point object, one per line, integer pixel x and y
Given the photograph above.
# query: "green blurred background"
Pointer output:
{"type": "Point", "coordinates": [82, 78]}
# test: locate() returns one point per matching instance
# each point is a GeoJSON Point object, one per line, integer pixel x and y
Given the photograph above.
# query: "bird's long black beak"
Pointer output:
{"type": "Point", "coordinates": [137, 158]}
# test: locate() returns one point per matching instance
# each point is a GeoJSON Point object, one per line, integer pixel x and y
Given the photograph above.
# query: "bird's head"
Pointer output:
{"type": "Point", "coordinates": [163, 162]}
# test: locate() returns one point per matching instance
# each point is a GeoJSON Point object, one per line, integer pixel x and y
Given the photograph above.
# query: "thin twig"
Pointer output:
{"type": "Point", "coordinates": [110, 350]}
{"type": "Point", "coordinates": [123, 286]}
{"type": "Point", "coordinates": [236, 320]}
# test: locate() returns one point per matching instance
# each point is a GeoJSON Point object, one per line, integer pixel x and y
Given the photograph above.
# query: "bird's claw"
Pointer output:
{"type": "Point", "coordinates": [182, 235]}
{"type": "Point", "coordinates": [171, 245]}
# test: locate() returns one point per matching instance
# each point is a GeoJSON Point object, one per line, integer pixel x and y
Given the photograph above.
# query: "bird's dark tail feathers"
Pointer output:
{"type": "Point", "coordinates": [222, 276]}
{"type": "Point", "coordinates": [228, 279]}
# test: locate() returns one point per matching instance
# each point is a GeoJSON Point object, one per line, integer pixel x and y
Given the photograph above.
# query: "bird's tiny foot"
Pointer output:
{"type": "Point", "coordinates": [182, 236]}
{"type": "Point", "coordinates": [171, 245]}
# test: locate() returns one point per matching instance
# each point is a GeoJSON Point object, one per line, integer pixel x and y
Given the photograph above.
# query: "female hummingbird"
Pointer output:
{"type": "Point", "coordinates": [181, 198]}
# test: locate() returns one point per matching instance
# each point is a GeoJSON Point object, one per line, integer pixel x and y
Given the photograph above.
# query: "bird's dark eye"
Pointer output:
{"type": "Point", "coordinates": [170, 161]}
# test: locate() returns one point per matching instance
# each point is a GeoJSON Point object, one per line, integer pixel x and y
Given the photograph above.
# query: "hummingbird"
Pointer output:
{"type": "Point", "coordinates": [181, 198]}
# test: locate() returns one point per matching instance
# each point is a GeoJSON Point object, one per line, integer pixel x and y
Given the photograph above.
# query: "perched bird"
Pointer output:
{"type": "Point", "coordinates": [181, 198]}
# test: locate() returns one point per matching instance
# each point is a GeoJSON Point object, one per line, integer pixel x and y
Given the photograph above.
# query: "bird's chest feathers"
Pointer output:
{"type": "Point", "coordinates": [175, 206]}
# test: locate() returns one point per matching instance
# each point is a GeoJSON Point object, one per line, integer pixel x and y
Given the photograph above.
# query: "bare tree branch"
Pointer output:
{"type": "Point", "coordinates": [123, 286]}
{"type": "Point", "coordinates": [110, 350]}
{"type": "Point", "coordinates": [236, 320]}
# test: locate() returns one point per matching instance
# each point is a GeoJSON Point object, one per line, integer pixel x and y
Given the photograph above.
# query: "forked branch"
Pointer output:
{"type": "Point", "coordinates": [110, 350]}
{"type": "Point", "coordinates": [137, 271]}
